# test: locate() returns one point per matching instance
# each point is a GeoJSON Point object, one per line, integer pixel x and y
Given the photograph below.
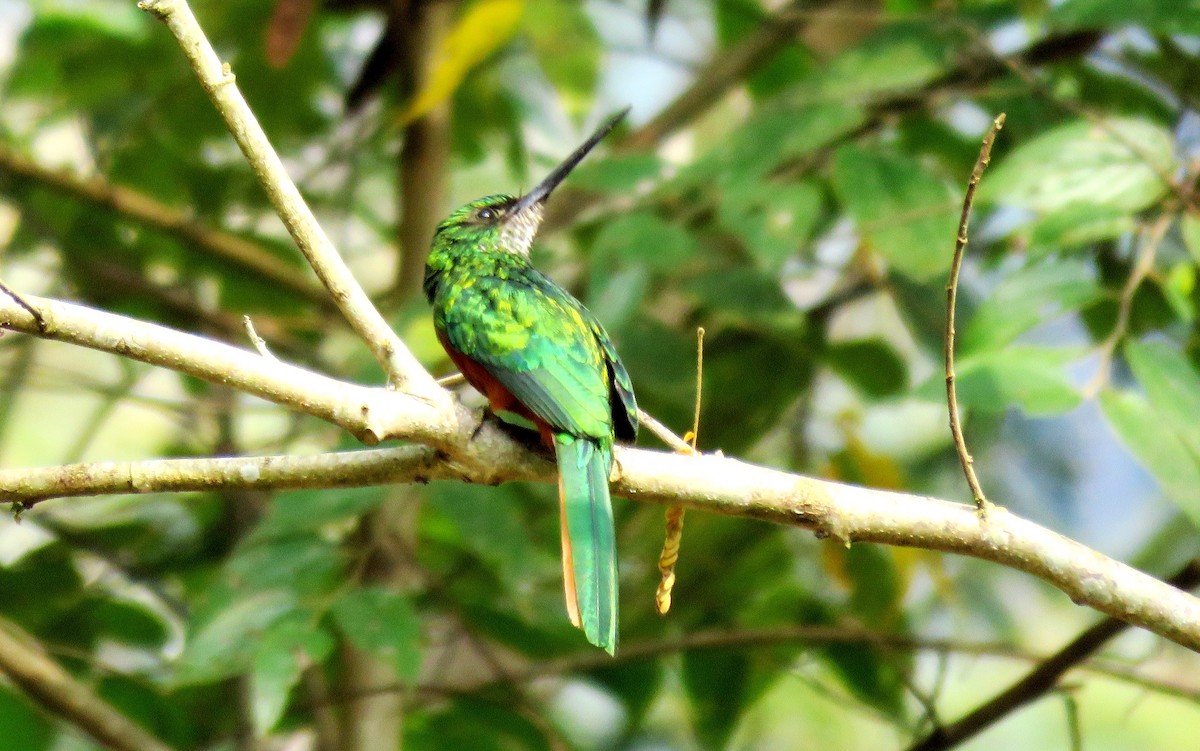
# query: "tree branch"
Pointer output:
{"type": "Point", "coordinates": [1041, 679]}
{"type": "Point", "coordinates": [707, 482]}
{"type": "Point", "coordinates": [217, 79]}
{"type": "Point", "coordinates": [59, 692]}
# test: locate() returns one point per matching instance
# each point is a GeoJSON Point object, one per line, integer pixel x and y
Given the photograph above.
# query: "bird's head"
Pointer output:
{"type": "Point", "coordinates": [509, 224]}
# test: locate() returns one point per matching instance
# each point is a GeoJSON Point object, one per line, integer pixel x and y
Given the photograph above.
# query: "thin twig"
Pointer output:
{"type": "Point", "coordinates": [257, 340]}
{"type": "Point", "coordinates": [217, 79]}
{"type": "Point", "coordinates": [1142, 266]}
{"type": "Point", "coordinates": [960, 246]}
{"type": "Point", "coordinates": [452, 380]}
{"type": "Point", "coordinates": [1043, 678]}
{"type": "Point", "coordinates": [37, 316]}
{"type": "Point", "coordinates": [663, 433]}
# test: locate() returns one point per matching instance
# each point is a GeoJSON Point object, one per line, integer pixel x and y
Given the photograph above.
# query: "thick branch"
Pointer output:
{"type": "Point", "coordinates": [218, 82]}
{"type": "Point", "coordinates": [704, 482]}
{"type": "Point", "coordinates": [153, 213]}
{"type": "Point", "coordinates": [57, 691]}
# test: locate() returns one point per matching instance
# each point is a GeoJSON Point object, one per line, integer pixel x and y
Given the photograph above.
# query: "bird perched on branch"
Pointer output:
{"type": "Point", "coordinates": [535, 352]}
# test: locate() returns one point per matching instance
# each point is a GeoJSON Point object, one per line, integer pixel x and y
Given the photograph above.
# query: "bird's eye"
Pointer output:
{"type": "Point", "coordinates": [487, 214]}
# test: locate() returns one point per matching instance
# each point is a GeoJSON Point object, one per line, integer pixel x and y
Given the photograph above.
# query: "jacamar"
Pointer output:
{"type": "Point", "coordinates": [535, 352]}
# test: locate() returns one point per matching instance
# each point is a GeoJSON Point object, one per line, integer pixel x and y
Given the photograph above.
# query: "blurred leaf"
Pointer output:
{"type": "Point", "coordinates": [899, 57]}
{"type": "Point", "coordinates": [223, 645]}
{"type": "Point", "coordinates": [489, 522]}
{"type": "Point", "coordinates": [617, 173]}
{"type": "Point", "coordinates": [298, 511]}
{"type": "Point", "coordinates": [1030, 378]}
{"type": "Point", "coordinates": [906, 214]}
{"type": "Point", "coordinates": [128, 622]}
{"type": "Point", "coordinates": [644, 238]}
{"type": "Point", "coordinates": [773, 221]}
{"type": "Point", "coordinates": [483, 28]}
{"type": "Point", "coordinates": [771, 136]}
{"type": "Point", "coordinates": [1189, 227]}
{"type": "Point", "coordinates": [1115, 165]}
{"type": "Point", "coordinates": [473, 723]}
{"type": "Point", "coordinates": [1163, 452]}
{"type": "Point", "coordinates": [305, 563]}
{"type": "Point", "coordinates": [871, 365]}
{"type": "Point", "coordinates": [1162, 16]}
{"type": "Point", "coordinates": [279, 659]}
{"type": "Point", "coordinates": [568, 48]}
{"type": "Point", "coordinates": [1080, 224]}
{"type": "Point", "coordinates": [742, 295]}
{"type": "Point", "coordinates": [18, 719]}
{"type": "Point", "coordinates": [1038, 292]}
{"type": "Point", "coordinates": [716, 683]}
{"type": "Point", "coordinates": [384, 623]}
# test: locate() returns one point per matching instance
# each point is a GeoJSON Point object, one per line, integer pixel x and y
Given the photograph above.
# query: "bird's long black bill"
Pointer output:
{"type": "Point", "coordinates": [543, 189]}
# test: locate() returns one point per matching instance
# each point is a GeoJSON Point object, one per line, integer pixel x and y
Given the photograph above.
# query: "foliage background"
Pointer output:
{"type": "Point", "coordinates": [803, 214]}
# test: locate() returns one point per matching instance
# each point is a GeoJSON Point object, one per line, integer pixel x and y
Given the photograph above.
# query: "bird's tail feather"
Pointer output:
{"type": "Point", "coordinates": [588, 537]}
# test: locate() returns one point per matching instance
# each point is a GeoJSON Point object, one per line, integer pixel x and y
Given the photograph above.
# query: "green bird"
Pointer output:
{"type": "Point", "coordinates": [535, 352]}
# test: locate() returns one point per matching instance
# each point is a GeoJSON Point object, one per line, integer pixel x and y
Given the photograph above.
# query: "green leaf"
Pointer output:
{"type": "Point", "coordinates": [224, 644]}
{"type": "Point", "coordinates": [279, 659]}
{"type": "Point", "coordinates": [1115, 165]}
{"type": "Point", "coordinates": [568, 48]}
{"type": "Point", "coordinates": [1162, 451]}
{"type": "Point", "coordinates": [871, 365]}
{"type": "Point", "coordinates": [1189, 226]}
{"type": "Point", "coordinates": [298, 511]}
{"type": "Point", "coordinates": [773, 221]}
{"type": "Point", "coordinates": [899, 57]}
{"type": "Point", "coordinates": [618, 173]}
{"type": "Point", "coordinates": [306, 563]}
{"type": "Point", "coordinates": [1162, 16]}
{"type": "Point", "coordinates": [129, 622]}
{"type": "Point", "coordinates": [717, 683]}
{"type": "Point", "coordinates": [19, 720]}
{"type": "Point", "coordinates": [1172, 385]}
{"type": "Point", "coordinates": [1081, 224]}
{"type": "Point", "coordinates": [382, 622]}
{"type": "Point", "coordinates": [644, 238]}
{"type": "Point", "coordinates": [771, 136]}
{"type": "Point", "coordinates": [1030, 378]}
{"type": "Point", "coordinates": [489, 523]}
{"type": "Point", "coordinates": [903, 212]}
{"type": "Point", "coordinates": [1029, 296]}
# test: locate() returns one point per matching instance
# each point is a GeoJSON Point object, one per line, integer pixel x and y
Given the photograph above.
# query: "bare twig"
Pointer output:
{"type": "Point", "coordinates": [217, 79]}
{"type": "Point", "coordinates": [663, 433]}
{"type": "Point", "coordinates": [1041, 679]}
{"type": "Point", "coordinates": [1142, 266]}
{"type": "Point", "coordinates": [256, 340]}
{"type": "Point", "coordinates": [30, 669]}
{"type": "Point", "coordinates": [19, 300]}
{"type": "Point", "coordinates": [960, 245]}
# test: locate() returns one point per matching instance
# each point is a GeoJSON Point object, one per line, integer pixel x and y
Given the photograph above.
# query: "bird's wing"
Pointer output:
{"type": "Point", "coordinates": [530, 335]}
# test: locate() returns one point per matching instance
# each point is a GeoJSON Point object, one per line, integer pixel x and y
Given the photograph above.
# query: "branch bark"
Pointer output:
{"type": "Point", "coordinates": [59, 692]}
{"type": "Point", "coordinates": [217, 79]}
{"type": "Point", "coordinates": [459, 447]}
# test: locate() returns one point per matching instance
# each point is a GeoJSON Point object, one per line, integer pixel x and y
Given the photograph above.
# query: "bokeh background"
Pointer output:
{"type": "Point", "coordinates": [789, 178]}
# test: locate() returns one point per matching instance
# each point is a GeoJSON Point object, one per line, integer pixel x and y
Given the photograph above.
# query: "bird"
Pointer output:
{"type": "Point", "coordinates": [543, 360]}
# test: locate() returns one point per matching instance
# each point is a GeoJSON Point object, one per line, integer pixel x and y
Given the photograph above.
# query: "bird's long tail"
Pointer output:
{"type": "Point", "coordinates": [588, 537]}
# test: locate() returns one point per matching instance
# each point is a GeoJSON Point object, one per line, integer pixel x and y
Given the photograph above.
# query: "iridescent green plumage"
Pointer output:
{"type": "Point", "coordinates": [534, 350]}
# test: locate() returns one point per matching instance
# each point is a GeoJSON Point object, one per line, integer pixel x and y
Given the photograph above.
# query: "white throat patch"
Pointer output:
{"type": "Point", "coordinates": [517, 231]}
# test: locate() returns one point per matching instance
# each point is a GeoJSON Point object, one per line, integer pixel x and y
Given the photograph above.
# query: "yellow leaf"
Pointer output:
{"type": "Point", "coordinates": [485, 27]}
